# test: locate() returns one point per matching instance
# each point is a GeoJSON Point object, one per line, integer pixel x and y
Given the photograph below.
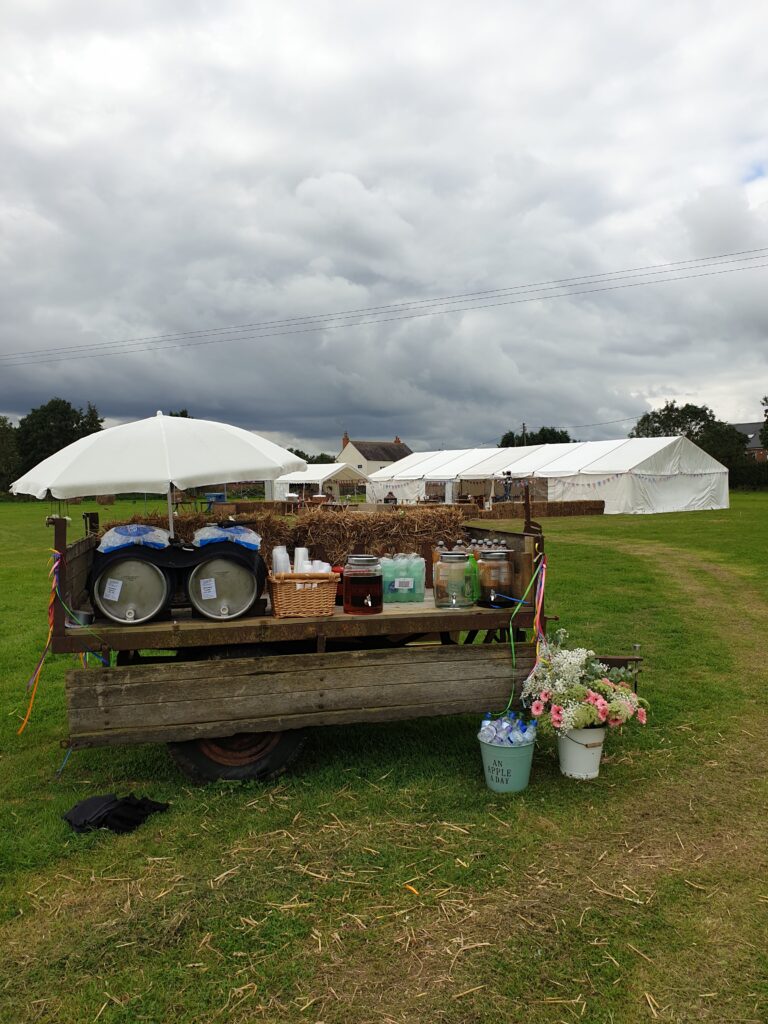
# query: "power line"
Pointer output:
{"type": "Point", "coordinates": [461, 297]}
{"type": "Point", "coordinates": [459, 301]}
{"type": "Point", "coordinates": [525, 293]}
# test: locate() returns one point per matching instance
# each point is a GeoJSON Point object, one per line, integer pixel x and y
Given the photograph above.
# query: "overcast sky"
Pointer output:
{"type": "Point", "coordinates": [171, 167]}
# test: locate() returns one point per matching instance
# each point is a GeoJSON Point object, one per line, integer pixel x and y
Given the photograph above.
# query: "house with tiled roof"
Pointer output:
{"type": "Point", "coordinates": [369, 456]}
{"type": "Point", "coordinates": [755, 447]}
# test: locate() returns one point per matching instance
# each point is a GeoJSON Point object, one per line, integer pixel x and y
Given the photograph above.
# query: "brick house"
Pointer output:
{"type": "Point", "coordinates": [755, 448]}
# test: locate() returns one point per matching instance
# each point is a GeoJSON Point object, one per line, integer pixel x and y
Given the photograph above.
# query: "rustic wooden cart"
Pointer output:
{"type": "Point", "coordinates": [233, 699]}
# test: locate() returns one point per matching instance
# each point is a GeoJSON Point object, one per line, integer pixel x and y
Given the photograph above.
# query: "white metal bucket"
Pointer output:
{"type": "Point", "coordinates": [580, 752]}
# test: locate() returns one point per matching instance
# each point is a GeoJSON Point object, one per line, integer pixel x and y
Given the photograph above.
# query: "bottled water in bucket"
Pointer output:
{"type": "Point", "coordinates": [506, 745]}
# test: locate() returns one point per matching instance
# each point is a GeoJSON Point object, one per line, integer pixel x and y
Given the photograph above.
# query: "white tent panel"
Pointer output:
{"type": "Point", "coordinates": [537, 459]}
{"type": "Point", "coordinates": [318, 474]}
{"type": "Point", "coordinates": [501, 460]}
{"type": "Point", "coordinates": [430, 468]}
{"type": "Point", "coordinates": [453, 468]}
{"type": "Point", "coordinates": [579, 457]}
{"type": "Point", "coordinates": [629, 454]}
{"type": "Point", "coordinates": [398, 469]}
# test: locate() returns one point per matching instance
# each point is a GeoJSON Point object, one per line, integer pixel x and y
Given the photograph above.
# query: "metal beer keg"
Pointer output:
{"type": "Point", "coordinates": [131, 590]}
{"type": "Point", "coordinates": [222, 588]}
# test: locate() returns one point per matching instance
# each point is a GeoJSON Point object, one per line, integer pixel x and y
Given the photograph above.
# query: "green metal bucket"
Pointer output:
{"type": "Point", "coordinates": [507, 769]}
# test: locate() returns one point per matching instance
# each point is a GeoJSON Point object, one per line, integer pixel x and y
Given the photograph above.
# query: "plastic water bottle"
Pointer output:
{"type": "Point", "coordinates": [387, 580]}
{"type": "Point", "coordinates": [487, 729]}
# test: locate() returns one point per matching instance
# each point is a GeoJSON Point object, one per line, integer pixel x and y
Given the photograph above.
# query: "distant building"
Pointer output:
{"type": "Point", "coordinates": [755, 447]}
{"type": "Point", "coordinates": [368, 456]}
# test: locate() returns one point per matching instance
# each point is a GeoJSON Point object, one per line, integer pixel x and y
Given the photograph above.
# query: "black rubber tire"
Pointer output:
{"type": "Point", "coordinates": [259, 756]}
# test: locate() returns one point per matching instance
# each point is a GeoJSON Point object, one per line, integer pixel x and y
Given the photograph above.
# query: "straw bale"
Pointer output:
{"type": "Point", "coordinates": [377, 533]}
{"type": "Point", "coordinates": [332, 535]}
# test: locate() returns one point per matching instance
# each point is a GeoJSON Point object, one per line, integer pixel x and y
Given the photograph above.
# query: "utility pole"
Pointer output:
{"type": "Point", "coordinates": [523, 435]}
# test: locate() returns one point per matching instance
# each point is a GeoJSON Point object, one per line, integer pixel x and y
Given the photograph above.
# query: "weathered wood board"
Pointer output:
{"type": "Point", "coordinates": [186, 700]}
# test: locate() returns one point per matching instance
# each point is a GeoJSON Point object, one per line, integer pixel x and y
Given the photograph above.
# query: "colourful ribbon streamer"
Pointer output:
{"type": "Point", "coordinates": [34, 679]}
{"type": "Point", "coordinates": [539, 580]}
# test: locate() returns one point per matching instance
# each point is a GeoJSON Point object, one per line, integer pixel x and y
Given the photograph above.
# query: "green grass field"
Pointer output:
{"type": "Point", "coordinates": [381, 881]}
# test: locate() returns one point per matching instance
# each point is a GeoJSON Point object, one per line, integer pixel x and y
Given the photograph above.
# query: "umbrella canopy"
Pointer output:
{"type": "Point", "coordinates": [154, 455]}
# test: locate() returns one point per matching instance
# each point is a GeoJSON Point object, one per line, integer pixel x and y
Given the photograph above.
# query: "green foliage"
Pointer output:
{"type": "Point", "coordinates": [699, 424]}
{"type": "Point", "coordinates": [322, 459]}
{"type": "Point", "coordinates": [51, 427]}
{"type": "Point", "coordinates": [725, 443]}
{"type": "Point", "coordinates": [749, 476]}
{"type": "Point", "coordinates": [180, 412]}
{"type": "Point", "coordinates": [9, 456]}
{"type": "Point", "coordinates": [764, 429]}
{"type": "Point", "coordinates": [545, 435]}
{"type": "Point", "coordinates": [673, 420]}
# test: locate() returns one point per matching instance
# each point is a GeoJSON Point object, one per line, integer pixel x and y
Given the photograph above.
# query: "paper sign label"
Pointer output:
{"type": "Point", "coordinates": [208, 589]}
{"type": "Point", "coordinates": [112, 590]}
{"type": "Point", "coordinates": [404, 583]}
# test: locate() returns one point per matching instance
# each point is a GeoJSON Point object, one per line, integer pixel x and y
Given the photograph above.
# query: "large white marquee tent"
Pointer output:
{"type": "Point", "coordinates": [632, 475]}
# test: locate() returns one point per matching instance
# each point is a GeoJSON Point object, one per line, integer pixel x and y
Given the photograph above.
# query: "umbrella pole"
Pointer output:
{"type": "Point", "coordinates": [170, 511]}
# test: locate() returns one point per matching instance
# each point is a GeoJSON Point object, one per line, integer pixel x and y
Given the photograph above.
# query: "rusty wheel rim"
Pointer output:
{"type": "Point", "coordinates": [241, 749]}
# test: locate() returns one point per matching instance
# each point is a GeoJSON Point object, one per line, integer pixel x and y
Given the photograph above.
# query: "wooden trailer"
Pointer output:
{"type": "Point", "coordinates": [232, 699]}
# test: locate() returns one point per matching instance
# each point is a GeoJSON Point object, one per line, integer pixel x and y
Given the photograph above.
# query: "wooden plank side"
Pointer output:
{"type": "Point", "coordinates": [370, 682]}
{"type": "Point", "coordinates": [471, 704]}
{"type": "Point", "coordinates": [218, 670]}
{"type": "Point", "coordinates": [79, 560]}
{"type": "Point", "coordinates": [140, 698]}
{"type": "Point", "coordinates": [262, 705]}
{"type": "Point", "coordinates": [120, 691]}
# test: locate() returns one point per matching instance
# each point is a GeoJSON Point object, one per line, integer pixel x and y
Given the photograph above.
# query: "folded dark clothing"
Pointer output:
{"type": "Point", "coordinates": [120, 814]}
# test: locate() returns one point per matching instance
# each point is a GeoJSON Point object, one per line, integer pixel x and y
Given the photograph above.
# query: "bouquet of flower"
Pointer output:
{"type": "Point", "coordinates": [571, 689]}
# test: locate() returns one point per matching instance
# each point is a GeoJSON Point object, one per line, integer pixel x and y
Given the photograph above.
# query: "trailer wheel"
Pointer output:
{"type": "Point", "coordinates": [247, 755]}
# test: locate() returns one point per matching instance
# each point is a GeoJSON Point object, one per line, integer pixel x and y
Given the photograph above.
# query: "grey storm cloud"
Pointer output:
{"type": "Point", "coordinates": [184, 167]}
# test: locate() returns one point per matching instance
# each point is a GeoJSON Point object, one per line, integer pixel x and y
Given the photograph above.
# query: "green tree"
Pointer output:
{"type": "Point", "coordinates": [673, 420]}
{"type": "Point", "coordinates": [699, 424]}
{"type": "Point", "coordinates": [544, 435]}
{"type": "Point", "coordinates": [9, 456]}
{"type": "Point", "coordinates": [725, 443]}
{"type": "Point", "coordinates": [51, 427]}
{"type": "Point", "coordinates": [181, 412]}
{"type": "Point", "coordinates": [764, 429]}
{"type": "Point", "coordinates": [313, 460]}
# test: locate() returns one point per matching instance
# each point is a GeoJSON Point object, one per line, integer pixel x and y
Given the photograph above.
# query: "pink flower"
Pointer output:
{"type": "Point", "coordinates": [545, 695]}
{"type": "Point", "coordinates": [592, 697]}
{"type": "Point", "coordinates": [602, 709]}
{"type": "Point", "coordinates": [607, 682]}
{"type": "Point", "coordinates": [641, 716]}
{"type": "Point", "coordinates": [613, 722]}
{"type": "Point", "coordinates": [556, 715]}
{"type": "Point", "coordinates": [537, 708]}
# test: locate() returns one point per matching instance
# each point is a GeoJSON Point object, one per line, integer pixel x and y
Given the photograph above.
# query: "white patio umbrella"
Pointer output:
{"type": "Point", "coordinates": [155, 455]}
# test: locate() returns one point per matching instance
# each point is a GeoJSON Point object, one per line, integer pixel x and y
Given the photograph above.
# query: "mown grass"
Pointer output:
{"type": "Point", "coordinates": [640, 896]}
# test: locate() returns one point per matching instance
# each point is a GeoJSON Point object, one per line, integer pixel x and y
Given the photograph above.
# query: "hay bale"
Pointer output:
{"type": "Point", "coordinates": [332, 534]}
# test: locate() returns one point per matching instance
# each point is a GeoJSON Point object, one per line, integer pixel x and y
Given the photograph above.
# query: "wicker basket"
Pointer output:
{"type": "Point", "coordinates": [303, 594]}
